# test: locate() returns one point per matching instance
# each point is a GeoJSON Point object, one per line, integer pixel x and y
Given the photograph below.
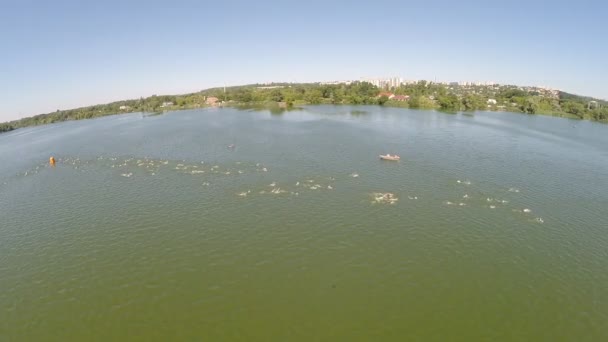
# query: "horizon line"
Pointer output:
{"type": "Point", "coordinates": [361, 79]}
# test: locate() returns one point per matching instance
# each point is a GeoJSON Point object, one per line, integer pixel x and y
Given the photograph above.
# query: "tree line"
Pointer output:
{"type": "Point", "coordinates": [422, 94]}
{"type": "Point", "coordinates": [290, 94]}
{"type": "Point", "coordinates": [506, 98]}
{"type": "Point", "coordinates": [5, 127]}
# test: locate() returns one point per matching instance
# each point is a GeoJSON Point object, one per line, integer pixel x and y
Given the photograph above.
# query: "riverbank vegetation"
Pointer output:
{"type": "Point", "coordinates": [422, 95]}
{"type": "Point", "coordinates": [530, 100]}
{"type": "Point", "coordinates": [6, 127]}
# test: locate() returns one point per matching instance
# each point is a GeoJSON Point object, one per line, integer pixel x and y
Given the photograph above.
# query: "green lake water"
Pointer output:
{"type": "Point", "coordinates": [152, 228]}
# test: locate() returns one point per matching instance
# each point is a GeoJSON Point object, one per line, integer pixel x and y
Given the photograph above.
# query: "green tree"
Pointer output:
{"type": "Point", "coordinates": [600, 114]}
{"type": "Point", "coordinates": [547, 105]}
{"type": "Point", "coordinates": [337, 96]}
{"type": "Point", "coordinates": [473, 102]}
{"type": "Point", "coordinates": [5, 127]}
{"type": "Point", "coordinates": [530, 105]}
{"type": "Point", "coordinates": [422, 102]}
{"type": "Point", "coordinates": [382, 100]}
{"type": "Point", "coordinates": [575, 108]}
{"type": "Point", "coordinates": [355, 99]}
{"type": "Point", "coordinates": [313, 96]}
{"type": "Point", "coordinates": [513, 92]}
{"type": "Point", "coordinates": [276, 95]}
{"type": "Point", "coordinates": [448, 102]}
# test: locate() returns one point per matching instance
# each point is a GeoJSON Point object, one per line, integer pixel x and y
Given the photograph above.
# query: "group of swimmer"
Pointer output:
{"type": "Point", "coordinates": [388, 198]}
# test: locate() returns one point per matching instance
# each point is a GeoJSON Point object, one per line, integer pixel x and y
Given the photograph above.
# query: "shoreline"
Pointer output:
{"type": "Point", "coordinates": [284, 96]}
{"type": "Point", "coordinates": [277, 109]}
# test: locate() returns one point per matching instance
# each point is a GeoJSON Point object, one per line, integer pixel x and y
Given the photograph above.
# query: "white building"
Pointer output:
{"type": "Point", "coordinates": [385, 83]}
{"type": "Point", "coordinates": [336, 82]}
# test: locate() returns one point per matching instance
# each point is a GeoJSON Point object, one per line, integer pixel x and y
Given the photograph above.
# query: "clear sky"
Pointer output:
{"type": "Point", "coordinates": [65, 53]}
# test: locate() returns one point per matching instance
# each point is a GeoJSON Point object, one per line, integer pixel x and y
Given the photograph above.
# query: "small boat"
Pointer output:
{"type": "Point", "coordinates": [390, 157]}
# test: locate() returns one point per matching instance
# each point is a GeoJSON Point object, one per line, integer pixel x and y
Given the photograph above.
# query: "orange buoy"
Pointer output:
{"type": "Point", "coordinates": [52, 161]}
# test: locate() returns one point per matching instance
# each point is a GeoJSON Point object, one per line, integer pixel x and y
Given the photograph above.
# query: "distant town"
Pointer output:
{"type": "Point", "coordinates": [396, 82]}
{"type": "Point", "coordinates": [393, 91]}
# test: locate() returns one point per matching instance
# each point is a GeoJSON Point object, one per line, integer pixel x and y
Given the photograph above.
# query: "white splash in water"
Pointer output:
{"type": "Point", "coordinates": [244, 194]}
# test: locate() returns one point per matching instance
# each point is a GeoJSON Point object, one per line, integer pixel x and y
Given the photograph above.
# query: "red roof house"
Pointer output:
{"type": "Point", "coordinates": [400, 98]}
{"type": "Point", "coordinates": [387, 94]}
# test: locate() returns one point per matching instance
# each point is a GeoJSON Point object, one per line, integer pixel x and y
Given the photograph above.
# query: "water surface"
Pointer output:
{"type": "Point", "coordinates": [155, 228]}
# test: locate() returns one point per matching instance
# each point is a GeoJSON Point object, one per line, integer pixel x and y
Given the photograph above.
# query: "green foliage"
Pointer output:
{"type": "Point", "coordinates": [149, 104]}
{"type": "Point", "coordinates": [583, 107]}
{"type": "Point", "coordinates": [313, 96]}
{"type": "Point", "coordinates": [243, 95]}
{"type": "Point", "coordinates": [547, 106]}
{"type": "Point", "coordinates": [5, 127]}
{"type": "Point", "coordinates": [513, 92]}
{"type": "Point", "coordinates": [600, 114]}
{"type": "Point", "coordinates": [382, 100]}
{"type": "Point", "coordinates": [473, 102]}
{"type": "Point", "coordinates": [422, 102]}
{"type": "Point", "coordinates": [449, 102]}
{"type": "Point", "coordinates": [423, 94]}
{"type": "Point", "coordinates": [575, 108]}
{"type": "Point", "coordinates": [355, 93]}
{"type": "Point", "coordinates": [276, 95]}
{"type": "Point", "coordinates": [530, 105]}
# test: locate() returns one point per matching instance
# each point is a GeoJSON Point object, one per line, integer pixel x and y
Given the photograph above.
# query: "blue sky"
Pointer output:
{"type": "Point", "coordinates": [63, 54]}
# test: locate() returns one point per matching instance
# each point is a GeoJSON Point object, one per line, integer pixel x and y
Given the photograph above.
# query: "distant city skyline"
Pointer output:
{"type": "Point", "coordinates": [68, 53]}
